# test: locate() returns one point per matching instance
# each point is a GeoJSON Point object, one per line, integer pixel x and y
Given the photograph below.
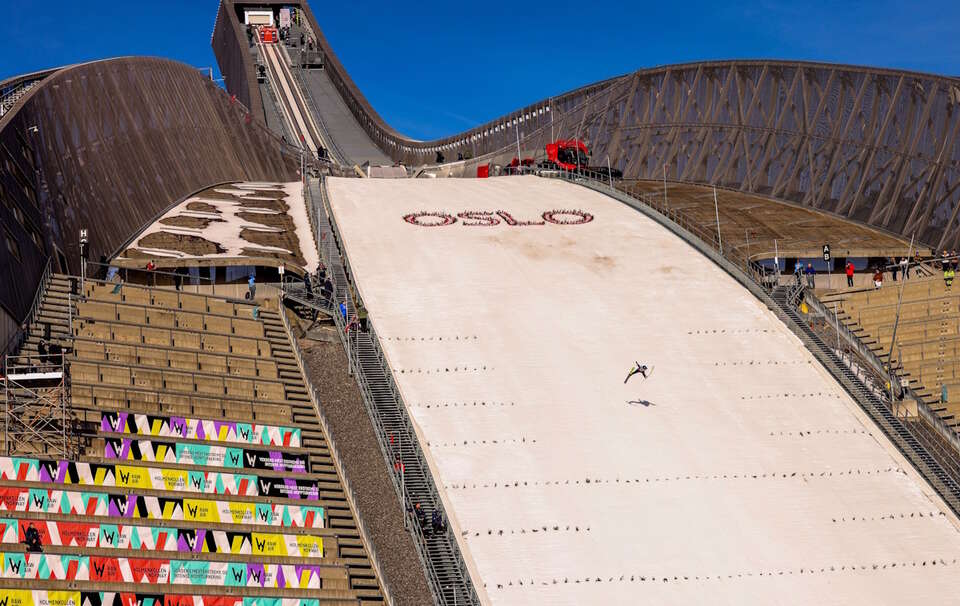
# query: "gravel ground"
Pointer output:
{"type": "Point", "coordinates": [364, 465]}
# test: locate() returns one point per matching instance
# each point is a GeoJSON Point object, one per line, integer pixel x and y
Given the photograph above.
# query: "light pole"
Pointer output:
{"type": "Point", "coordinates": [896, 323]}
{"type": "Point", "coordinates": [519, 159]}
{"type": "Point", "coordinates": [609, 174]}
{"type": "Point", "coordinates": [550, 109]}
{"type": "Point", "coordinates": [664, 186]}
{"type": "Point", "coordinates": [716, 209]}
{"type": "Point", "coordinates": [84, 253]}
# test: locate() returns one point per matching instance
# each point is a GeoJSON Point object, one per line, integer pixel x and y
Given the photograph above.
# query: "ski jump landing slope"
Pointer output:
{"type": "Point", "coordinates": [739, 473]}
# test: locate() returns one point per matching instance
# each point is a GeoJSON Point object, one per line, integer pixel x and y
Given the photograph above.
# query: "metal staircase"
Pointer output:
{"type": "Point", "coordinates": [413, 481]}
{"type": "Point", "coordinates": [906, 441]}
{"type": "Point", "coordinates": [10, 98]}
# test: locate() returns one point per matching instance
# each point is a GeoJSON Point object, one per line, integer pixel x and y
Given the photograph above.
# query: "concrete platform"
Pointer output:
{"type": "Point", "coordinates": [738, 473]}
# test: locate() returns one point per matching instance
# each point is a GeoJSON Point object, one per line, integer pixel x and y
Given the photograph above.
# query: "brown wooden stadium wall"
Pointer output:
{"type": "Point", "coordinates": [107, 146]}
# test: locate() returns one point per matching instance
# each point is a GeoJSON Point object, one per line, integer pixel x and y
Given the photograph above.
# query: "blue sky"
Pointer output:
{"type": "Point", "coordinates": [436, 68]}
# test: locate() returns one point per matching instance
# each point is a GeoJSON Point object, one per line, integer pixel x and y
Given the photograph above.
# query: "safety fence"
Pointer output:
{"type": "Point", "coordinates": [880, 393]}
{"type": "Point", "coordinates": [20, 334]}
{"type": "Point", "coordinates": [440, 555]}
{"type": "Point", "coordinates": [335, 457]}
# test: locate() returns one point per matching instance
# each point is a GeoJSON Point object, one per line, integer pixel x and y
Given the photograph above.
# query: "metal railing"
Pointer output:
{"type": "Point", "coordinates": [763, 277]}
{"type": "Point", "coordinates": [405, 444]}
{"type": "Point", "coordinates": [797, 292]}
{"type": "Point", "coordinates": [145, 277]}
{"type": "Point", "coordinates": [335, 456]}
{"type": "Point", "coordinates": [21, 332]}
{"type": "Point", "coordinates": [313, 108]}
{"type": "Point", "coordinates": [10, 97]}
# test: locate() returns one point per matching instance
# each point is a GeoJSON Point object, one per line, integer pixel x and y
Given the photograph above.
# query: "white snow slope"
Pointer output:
{"type": "Point", "coordinates": [741, 473]}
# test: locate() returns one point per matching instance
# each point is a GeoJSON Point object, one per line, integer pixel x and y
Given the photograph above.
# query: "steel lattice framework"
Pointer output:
{"type": "Point", "coordinates": [876, 146]}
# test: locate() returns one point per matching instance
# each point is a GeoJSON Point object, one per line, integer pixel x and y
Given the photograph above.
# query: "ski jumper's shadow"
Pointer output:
{"type": "Point", "coordinates": [644, 403]}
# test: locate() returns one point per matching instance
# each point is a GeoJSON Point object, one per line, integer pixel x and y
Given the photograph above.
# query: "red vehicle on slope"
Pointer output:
{"type": "Point", "coordinates": [573, 155]}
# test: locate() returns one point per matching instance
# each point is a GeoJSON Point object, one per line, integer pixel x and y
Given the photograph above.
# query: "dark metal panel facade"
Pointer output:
{"type": "Point", "coordinates": [876, 146]}
{"type": "Point", "coordinates": [107, 146]}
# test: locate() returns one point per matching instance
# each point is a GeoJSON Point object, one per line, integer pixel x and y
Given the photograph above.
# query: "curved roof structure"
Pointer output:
{"type": "Point", "coordinates": [873, 145]}
{"type": "Point", "coordinates": [107, 146]}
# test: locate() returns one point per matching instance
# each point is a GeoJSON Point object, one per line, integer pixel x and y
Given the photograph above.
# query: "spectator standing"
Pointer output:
{"type": "Point", "coordinates": [894, 268]}
{"type": "Point", "coordinates": [811, 276]}
{"type": "Point", "coordinates": [797, 272]}
{"type": "Point", "coordinates": [42, 350]}
{"type": "Point", "coordinates": [878, 278]}
{"type": "Point", "coordinates": [251, 287]}
{"type": "Point", "coordinates": [905, 267]}
{"type": "Point", "coordinates": [307, 286]}
{"type": "Point", "coordinates": [436, 521]}
{"type": "Point", "coordinates": [849, 270]}
{"type": "Point", "coordinates": [362, 317]}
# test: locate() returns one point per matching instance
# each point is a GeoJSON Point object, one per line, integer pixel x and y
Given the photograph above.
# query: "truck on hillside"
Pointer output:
{"type": "Point", "coordinates": [573, 155]}
{"type": "Point", "coordinates": [570, 155]}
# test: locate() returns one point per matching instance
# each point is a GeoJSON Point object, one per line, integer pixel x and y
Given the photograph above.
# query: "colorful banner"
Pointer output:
{"type": "Point", "coordinates": [131, 449]}
{"type": "Point", "coordinates": [133, 506]}
{"type": "Point", "coordinates": [26, 597]}
{"type": "Point", "coordinates": [199, 429]}
{"type": "Point", "coordinates": [23, 469]}
{"type": "Point", "coordinates": [153, 538]}
{"type": "Point", "coordinates": [46, 567]}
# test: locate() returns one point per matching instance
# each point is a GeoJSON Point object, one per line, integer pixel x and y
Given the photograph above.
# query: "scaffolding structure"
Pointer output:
{"type": "Point", "coordinates": [37, 420]}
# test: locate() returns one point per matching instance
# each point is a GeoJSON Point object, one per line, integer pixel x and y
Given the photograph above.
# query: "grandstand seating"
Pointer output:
{"type": "Point", "coordinates": [202, 463]}
{"type": "Point", "coordinates": [927, 348]}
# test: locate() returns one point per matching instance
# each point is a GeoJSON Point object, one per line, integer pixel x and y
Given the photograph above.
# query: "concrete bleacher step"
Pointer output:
{"type": "Point", "coordinates": [151, 309]}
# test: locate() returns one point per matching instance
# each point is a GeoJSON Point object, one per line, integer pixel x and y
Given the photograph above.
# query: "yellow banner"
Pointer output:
{"type": "Point", "coordinates": [241, 513]}
{"type": "Point", "coordinates": [310, 547]}
{"type": "Point", "coordinates": [195, 510]}
{"type": "Point", "coordinates": [173, 479]}
{"type": "Point", "coordinates": [25, 597]}
{"type": "Point", "coordinates": [268, 544]}
{"type": "Point", "coordinates": [132, 477]}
